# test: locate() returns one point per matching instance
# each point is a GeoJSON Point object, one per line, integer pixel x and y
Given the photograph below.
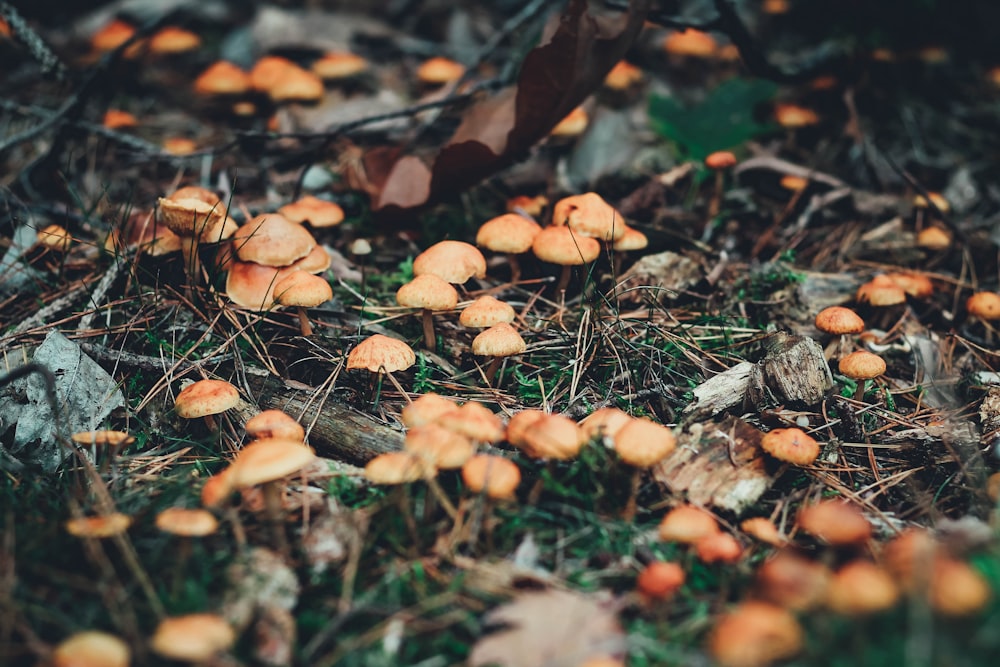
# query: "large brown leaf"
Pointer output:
{"type": "Point", "coordinates": [550, 628]}
{"type": "Point", "coordinates": [578, 49]}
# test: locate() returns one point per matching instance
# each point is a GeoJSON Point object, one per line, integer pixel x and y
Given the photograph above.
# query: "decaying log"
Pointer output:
{"type": "Point", "coordinates": [719, 392]}
{"type": "Point", "coordinates": [718, 464]}
{"type": "Point", "coordinates": [794, 370]}
{"type": "Point", "coordinates": [339, 432]}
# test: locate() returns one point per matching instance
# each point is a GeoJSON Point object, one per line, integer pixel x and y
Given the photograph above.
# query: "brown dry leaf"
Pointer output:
{"type": "Point", "coordinates": [551, 628]}
{"type": "Point", "coordinates": [576, 52]}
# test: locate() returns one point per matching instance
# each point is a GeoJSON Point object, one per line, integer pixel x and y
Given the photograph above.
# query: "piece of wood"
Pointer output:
{"type": "Point", "coordinates": [794, 370]}
{"type": "Point", "coordinates": [340, 432]}
{"type": "Point", "coordinates": [718, 464]}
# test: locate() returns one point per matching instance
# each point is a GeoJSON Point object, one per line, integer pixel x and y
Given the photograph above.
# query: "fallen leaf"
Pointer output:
{"type": "Point", "coordinates": [551, 628]}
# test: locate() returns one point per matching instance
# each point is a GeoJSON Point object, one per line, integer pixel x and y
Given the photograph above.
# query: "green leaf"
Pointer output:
{"type": "Point", "coordinates": [724, 120]}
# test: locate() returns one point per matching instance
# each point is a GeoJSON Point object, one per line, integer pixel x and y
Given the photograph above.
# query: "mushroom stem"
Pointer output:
{"type": "Point", "coordinates": [406, 509]}
{"type": "Point", "coordinates": [430, 339]}
{"type": "Point", "coordinates": [715, 202]}
{"type": "Point", "coordinates": [272, 509]}
{"type": "Point", "coordinates": [304, 325]}
{"type": "Point", "coordinates": [859, 392]}
{"type": "Point", "coordinates": [438, 493]}
{"type": "Point", "coordinates": [515, 268]}
{"type": "Point", "coordinates": [564, 278]}
{"type": "Point", "coordinates": [630, 507]}
{"type": "Point", "coordinates": [491, 371]}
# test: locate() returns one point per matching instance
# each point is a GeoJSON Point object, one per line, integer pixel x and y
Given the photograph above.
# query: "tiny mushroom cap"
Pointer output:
{"type": "Point", "coordinates": [792, 445]}
{"type": "Point", "coordinates": [936, 198]}
{"type": "Point", "coordinates": [453, 261]}
{"type": "Point", "coordinates": [55, 237]}
{"type": "Point", "coordinates": [269, 459]}
{"type": "Point", "coordinates": [520, 424]}
{"type": "Point", "coordinates": [690, 42]}
{"type": "Point", "coordinates": [984, 305]}
{"type": "Point", "coordinates": [500, 340]}
{"type": "Point", "coordinates": [103, 438]}
{"type": "Point", "coordinates": [205, 397]}
{"type": "Point", "coordinates": [495, 476]}
{"type": "Point", "coordinates": [834, 522]}
{"type": "Point", "coordinates": [643, 443]}
{"type": "Point", "coordinates": [605, 422]}
{"type": "Point", "coordinates": [660, 580]}
{"type": "Point", "coordinates": [251, 285]}
{"type": "Point", "coordinates": [317, 212]}
{"type": "Point", "coordinates": [589, 215]}
{"type": "Point", "coordinates": [509, 233]}
{"type": "Point", "coordinates": [631, 239]}
{"type": "Point", "coordinates": [881, 291]}
{"type": "Point", "coordinates": [179, 145]}
{"type": "Point", "coordinates": [915, 284]}
{"type": "Point", "coordinates": [193, 638]}
{"type": "Point", "coordinates": [533, 206]}
{"type": "Point", "coordinates": [271, 239]}
{"type": "Point", "coordinates": [764, 530]}
{"type": "Point", "coordinates": [794, 183]}
{"type": "Point", "coordinates": [718, 548]}
{"type": "Point", "coordinates": [334, 65]}
{"type": "Point", "coordinates": [394, 468]}
{"type": "Point", "coordinates": [115, 119]}
{"type": "Point", "coordinates": [92, 648]}
{"type": "Point", "coordinates": [934, 238]}
{"type": "Point", "coordinates": [486, 311]}
{"type": "Point", "coordinates": [572, 124]}
{"type": "Point", "coordinates": [316, 262]}
{"type": "Point", "coordinates": [862, 365]}
{"type": "Point", "coordinates": [274, 424]}
{"type": "Point", "coordinates": [861, 588]}
{"type": "Point", "coordinates": [755, 634]}
{"type": "Point", "coordinates": [558, 244]}
{"type": "Point", "coordinates": [217, 488]}
{"type": "Point", "coordinates": [839, 320]}
{"type": "Point", "coordinates": [687, 524]}
{"type": "Point", "coordinates": [297, 85]}
{"type": "Point", "coordinates": [269, 70]}
{"type": "Point", "coordinates": [551, 437]}
{"type": "Point", "coordinates": [112, 35]}
{"type": "Point", "coordinates": [438, 446]}
{"type": "Point", "coordinates": [302, 289]}
{"type": "Point", "coordinates": [170, 40]}
{"type": "Point", "coordinates": [623, 76]}
{"type": "Point", "coordinates": [429, 292]}
{"type": "Point", "coordinates": [475, 421]}
{"type": "Point", "coordinates": [957, 589]}
{"type": "Point", "coordinates": [910, 557]}
{"type": "Point", "coordinates": [187, 522]}
{"type": "Point", "coordinates": [104, 525]}
{"type": "Point", "coordinates": [793, 115]}
{"type": "Point", "coordinates": [792, 581]}
{"type": "Point", "coordinates": [378, 352]}
{"type": "Point", "coordinates": [720, 160]}
{"type": "Point", "coordinates": [439, 70]}
{"type": "Point", "coordinates": [222, 78]}
{"type": "Point", "coordinates": [426, 409]}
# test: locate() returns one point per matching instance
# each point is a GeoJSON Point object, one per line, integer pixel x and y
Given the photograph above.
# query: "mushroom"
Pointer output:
{"type": "Point", "coordinates": [511, 234]}
{"type": "Point", "coordinates": [659, 581]}
{"type": "Point", "coordinates": [957, 589]}
{"type": "Point", "coordinates": [622, 76]}
{"type": "Point", "coordinates": [205, 398]}
{"type": "Point", "coordinates": [222, 78]}
{"type": "Point", "coordinates": [861, 588]}
{"type": "Point", "coordinates": [792, 445]}
{"type": "Point", "coordinates": [984, 306]}
{"type": "Point", "coordinates": [379, 353]}
{"type": "Point", "coordinates": [400, 469]}
{"type": "Point", "coordinates": [641, 443]}
{"type": "Point", "coordinates": [763, 530]}
{"type": "Point", "coordinates": [589, 215]}
{"type": "Point", "coordinates": [499, 341]}
{"type": "Point", "coordinates": [429, 293]}
{"type": "Point", "coordinates": [834, 522]}
{"type": "Point", "coordinates": [604, 423]}
{"type": "Point", "coordinates": [718, 547]}
{"type": "Point", "coordinates": [439, 70]}
{"type": "Point", "coordinates": [317, 212]}
{"type": "Point", "coordinates": [185, 524]}
{"type": "Point", "coordinates": [718, 162]}
{"type": "Point", "coordinates": [302, 290]}
{"type": "Point", "coordinates": [274, 424]}
{"type": "Point", "coordinates": [495, 479]}
{"type": "Point", "coordinates": [792, 581]}
{"type": "Point", "coordinates": [690, 43]}
{"type": "Point", "coordinates": [267, 462]}
{"type": "Point", "coordinates": [754, 634]}
{"type": "Point", "coordinates": [453, 261]}
{"type": "Point", "coordinates": [485, 312]}
{"type": "Point", "coordinates": [426, 409]}
{"type": "Point", "coordinates": [195, 638]}
{"type": "Point", "coordinates": [572, 124]}
{"type": "Point", "coordinates": [631, 240]}
{"type": "Point", "coordinates": [172, 40]}
{"type": "Point", "coordinates": [272, 240]}
{"type": "Point", "coordinates": [91, 648]}
{"type": "Point", "coordinates": [105, 445]}
{"type": "Point", "coordinates": [339, 65]}
{"type": "Point", "coordinates": [101, 526]}
{"type": "Point", "coordinates": [861, 366]}
{"type": "Point", "coordinates": [559, 244]}
{"type": "Point", "coordinates": [687, 524]}
{"type": "Point", "coordinates": [840, 322]}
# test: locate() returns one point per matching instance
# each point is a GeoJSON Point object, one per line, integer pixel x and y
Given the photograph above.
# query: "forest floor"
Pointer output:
{"type": "Point", "coordinates": [709, 330]}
